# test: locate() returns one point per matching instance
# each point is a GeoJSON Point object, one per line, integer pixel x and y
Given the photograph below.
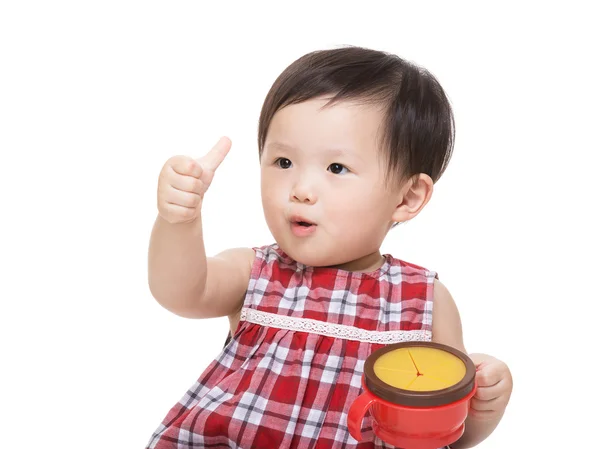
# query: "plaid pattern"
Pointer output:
{"type": "Point", "coordinates": [272, 387]}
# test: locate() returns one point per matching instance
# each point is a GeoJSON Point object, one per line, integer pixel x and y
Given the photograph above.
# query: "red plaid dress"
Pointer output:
{"type": "Point", "coordinates": [294, 365]}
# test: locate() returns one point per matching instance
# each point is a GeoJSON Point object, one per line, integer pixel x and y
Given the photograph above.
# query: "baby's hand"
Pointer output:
{"type": "Point", "coordinates": [494, 387]}
{"type": "Point", "coordinates": [183, 181]}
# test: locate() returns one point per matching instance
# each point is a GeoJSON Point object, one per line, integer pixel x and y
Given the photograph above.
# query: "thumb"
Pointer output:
{"type": "Point", "coordinates": [479, 360]}
{"type": "Point", "coordinates": [212, 159]}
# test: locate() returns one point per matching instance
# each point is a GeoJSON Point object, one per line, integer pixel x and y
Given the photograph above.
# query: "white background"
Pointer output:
{"type": "Point", "coordinates": [96, 96]}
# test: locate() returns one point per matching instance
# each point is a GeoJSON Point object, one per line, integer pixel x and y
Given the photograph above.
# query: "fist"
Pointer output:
{"type": "Point", "coordinates": [183, 181]}
{"type": "Point", "coordinates": [494, 387]}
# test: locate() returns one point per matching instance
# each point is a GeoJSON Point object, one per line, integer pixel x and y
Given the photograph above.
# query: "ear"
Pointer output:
{"type": "Point", "coordinates": [414, 195]}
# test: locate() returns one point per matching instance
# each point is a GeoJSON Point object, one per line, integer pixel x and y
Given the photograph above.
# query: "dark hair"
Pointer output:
{"type": "Point", "coordinates": [418, 134]}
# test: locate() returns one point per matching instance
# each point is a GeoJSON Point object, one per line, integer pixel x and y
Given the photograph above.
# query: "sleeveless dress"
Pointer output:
{"type": "Point", "coordinates": [294, 365]}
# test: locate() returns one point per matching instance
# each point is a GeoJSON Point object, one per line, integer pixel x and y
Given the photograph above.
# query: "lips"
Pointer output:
{"type": "Point", "coordinates": [301, 226]}
{"type": "Point", "coordinates": [298, 219]}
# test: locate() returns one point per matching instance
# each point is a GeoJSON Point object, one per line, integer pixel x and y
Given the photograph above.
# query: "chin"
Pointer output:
{"type": "Point", "coordinates": [305, 254]}
{"type": "Point", "coordinates": [314, 254]}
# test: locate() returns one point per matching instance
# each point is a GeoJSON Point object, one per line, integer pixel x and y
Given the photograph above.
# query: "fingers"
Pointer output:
{"type": "Point", "coordinates": [181, 198]}
{"type": "Point", "coordinates": [212, 159]}
{"type": "Point", "coordinates": [488, 377]}
{"type": "Point", "coordinates": [185, 183]}
{"type": "Point", "coordinates": [186, 166]}
{"type": "Point", "coordinates": [483, 415]}
{"type": "Point", "coordinates": [179, 195]}
{"type": "Point", "coordinates": [487, 406]}
{"type": "Point", "coordinates": [484, 406]}
{"type": "Point", "coordinates": [494, 387]}
{"type": "Point", "coordinates": [489, 393]}
{"type": "Point", "coordinates": [489, 401]}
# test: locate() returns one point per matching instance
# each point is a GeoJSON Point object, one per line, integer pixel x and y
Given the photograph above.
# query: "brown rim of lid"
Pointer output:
{"type": "Point", "coordinates": [419, 398]}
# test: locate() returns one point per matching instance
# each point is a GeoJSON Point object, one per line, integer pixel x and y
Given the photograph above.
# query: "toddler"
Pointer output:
{"type": "Point", "coordinates": [350, 143]}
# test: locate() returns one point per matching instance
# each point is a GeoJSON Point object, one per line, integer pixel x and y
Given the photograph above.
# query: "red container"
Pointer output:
{"type": "Point", "coordinates": [415, 419]}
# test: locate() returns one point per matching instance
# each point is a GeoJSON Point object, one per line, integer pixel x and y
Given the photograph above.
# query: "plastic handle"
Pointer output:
{"type": "Point", "coordinates": [357, 412]}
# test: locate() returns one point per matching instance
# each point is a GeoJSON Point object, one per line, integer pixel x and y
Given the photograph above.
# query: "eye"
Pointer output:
{"type": "Point", "coordinates": [284, 163]}
{"type": "Point", "coordinates": [337, 169]}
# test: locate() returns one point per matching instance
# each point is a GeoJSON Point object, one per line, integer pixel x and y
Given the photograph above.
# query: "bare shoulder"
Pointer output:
{"type": "Point", "coordinates": [227, 277]}
{"type": "Point", "coordinates": [446, 323]}
{"type": "Point", "coordinates": [241, 258]}
{"type": "Point", "coordinates": [232, 266]}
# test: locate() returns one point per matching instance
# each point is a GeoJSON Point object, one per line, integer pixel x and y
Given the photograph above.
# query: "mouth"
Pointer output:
{"type": "Point", "coordinates": [304, 224]}
{"type": "Point", "coordinates": [302, 227]}
{"type": "Point", "coordinates": [301, 221]}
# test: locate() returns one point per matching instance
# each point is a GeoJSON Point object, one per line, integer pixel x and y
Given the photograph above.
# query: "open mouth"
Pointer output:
{"type": "Point", "coordinates": [301, 221]}
{"type": "Point", "coordinates": [301, 226]}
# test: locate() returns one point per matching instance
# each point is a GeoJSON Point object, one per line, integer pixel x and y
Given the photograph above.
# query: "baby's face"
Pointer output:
{"type": "Point", "coordinates": [322, 182]}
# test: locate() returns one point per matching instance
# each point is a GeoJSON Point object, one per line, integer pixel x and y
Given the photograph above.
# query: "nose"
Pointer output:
{"type": "Point", "coordinates": [302, 192]}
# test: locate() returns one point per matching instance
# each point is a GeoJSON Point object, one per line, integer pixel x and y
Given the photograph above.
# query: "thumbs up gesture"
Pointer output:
{"type": "Point", "coordinates": [183, 181]}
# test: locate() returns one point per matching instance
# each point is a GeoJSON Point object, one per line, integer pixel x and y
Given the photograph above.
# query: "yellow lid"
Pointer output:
{"type": "Point", "coordinates": [420, 368]}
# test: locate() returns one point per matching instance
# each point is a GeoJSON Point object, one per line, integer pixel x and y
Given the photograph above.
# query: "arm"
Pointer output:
{"type": "Point", "coordinates": [487, 407]}
{"type": "Point", "coordinates": [180, 276]}
{"type": "Point", "coordinates": [184, 281]}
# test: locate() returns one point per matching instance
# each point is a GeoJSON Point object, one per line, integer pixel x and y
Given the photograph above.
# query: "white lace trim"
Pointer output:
{"type": "Point", "coordinates": [331, 329]}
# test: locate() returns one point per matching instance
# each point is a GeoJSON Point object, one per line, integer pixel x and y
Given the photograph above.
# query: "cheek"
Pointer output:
{"type": "Point", "coordinates": [270, 212]}
{"type": "Point", "coordinates": [272, 193]}
{"type": "Point", "coordinates": [353, 202]}
{"type": "Point", "coordinates": [360, 210]}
